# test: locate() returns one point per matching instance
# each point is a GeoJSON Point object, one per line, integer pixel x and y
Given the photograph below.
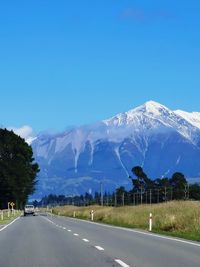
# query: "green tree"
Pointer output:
{"type": "Point", "coordinates": [142, 181]}
{"type": "Point", "coordinates": [195, 191]}
{"type": "Point", "coordinates": [178, 183]}
{"type": "Point", "coordinates": [17, 169]}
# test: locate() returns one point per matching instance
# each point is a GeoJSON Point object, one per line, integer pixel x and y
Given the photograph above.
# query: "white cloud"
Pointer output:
{"type": "Point", "coordinates": [25, 132]}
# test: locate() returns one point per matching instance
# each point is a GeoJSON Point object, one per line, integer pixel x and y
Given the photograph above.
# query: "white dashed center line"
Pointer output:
{"type": "Point", "coordinates": [99, 248]}
{"type": "Point", "coordinates": [85, 240]}
{"type": "Point", "coordinates": [120, 262]}
{"type": "Point", "coordinates": [123, 264]}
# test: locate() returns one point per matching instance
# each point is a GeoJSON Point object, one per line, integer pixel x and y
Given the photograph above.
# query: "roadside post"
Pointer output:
{"type": "Point", "coordinates": [12, 204]}
{"type": "Point", "coordinates": [150, 222]}
{"type": "Point", "coordinates": [2, 215]}
{"type": "Point", "coordinates": [74, 215]}
{"type": "Point", "coordinates": [92, 215]}
{"type": "Point", "coordinates": [8, 209]}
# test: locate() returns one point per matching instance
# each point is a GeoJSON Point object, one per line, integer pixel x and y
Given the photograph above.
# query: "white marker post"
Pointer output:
{"type": "Point", "coordinates": [74, 215]}
{"type": "Point", "coordinates": [2, 215]}
{"type": "Point", "coordinates": [150, 222]}
{"type": "Point", "coordinates": [8, 209]}
{"type": "Point", "coordinates": [92, 215]}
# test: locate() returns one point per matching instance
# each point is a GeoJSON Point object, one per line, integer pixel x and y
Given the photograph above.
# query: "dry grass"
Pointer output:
{"type": "Point", "coordinates": [7, 219]}
{"type": "Point", "coordinates": [177, 218]}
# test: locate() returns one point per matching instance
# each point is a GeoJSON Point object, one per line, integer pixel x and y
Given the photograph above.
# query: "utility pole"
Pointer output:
{"type": "Point", "coordinates": [123, 199]}
{"type": "Point", "coordinates": [101, 193]}
{"type": "Point", "coordinates": [171, 191]}
{"type": "Point", "coordinates": [137, 197]}
{"type": "Point", "coordinates": [188, 191]}
{"type": "Point", "coordinates": [158, 195]}
{"type": "Point", "coordinates": [165, 194]}
{"type": "Point", "coordinates": [141, 194]}
{"type": "Point", "coordinates": [134, 199]}
{"type": "Point", "coordinates": [150, 197]}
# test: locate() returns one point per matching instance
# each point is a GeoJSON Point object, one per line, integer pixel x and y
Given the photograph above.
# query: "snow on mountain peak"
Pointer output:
{"type": "Point", "coordinates": [193, 117]}
{"type": "Point", "coordinates": [153, 117]}
{"type": "Point", "coordinates": [150, 109]}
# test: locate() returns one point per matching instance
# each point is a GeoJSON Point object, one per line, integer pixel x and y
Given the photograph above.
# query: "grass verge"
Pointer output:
{"type": "Point", "coordinates": [176, 218]}
{"type": "Point", "coordinates": [7, 219]}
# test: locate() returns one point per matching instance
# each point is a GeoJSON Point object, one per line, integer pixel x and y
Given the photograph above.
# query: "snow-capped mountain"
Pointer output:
{"type": "Point", "coordinates": [193, 118]}
{"type": "Point", "coordinates": [151, 135]}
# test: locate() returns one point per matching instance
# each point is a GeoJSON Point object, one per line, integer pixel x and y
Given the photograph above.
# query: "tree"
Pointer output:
{"type": "Point", "coordinates": [178, 183]}
{"type": "Point", "coordinates": [17, 169]}
{"type": "Point", "coordinates": [142, 180]}
{"type": "Point", "coordinates": [195, 192]}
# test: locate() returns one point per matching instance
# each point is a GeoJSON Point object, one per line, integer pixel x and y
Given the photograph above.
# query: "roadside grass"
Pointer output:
{"type": "Point", "coordinates": [7, 219]}
{"type": "Point", "coordinates": [176, 218]}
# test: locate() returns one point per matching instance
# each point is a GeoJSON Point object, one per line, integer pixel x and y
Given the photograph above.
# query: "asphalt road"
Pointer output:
{"type": "Point", "coordinates": [57, 241]}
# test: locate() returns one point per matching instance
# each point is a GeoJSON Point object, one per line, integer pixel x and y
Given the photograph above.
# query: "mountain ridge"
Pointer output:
{"type": "Point", "coordinates": [151, 135]}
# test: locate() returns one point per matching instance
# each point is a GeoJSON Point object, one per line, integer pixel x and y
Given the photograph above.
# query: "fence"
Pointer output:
{"type": "Point", "coordinates": [9, 214]}
{"type": "Point", "coordinates": [122, 198]}
{"type": "Point", "coordinates": [150, 196]}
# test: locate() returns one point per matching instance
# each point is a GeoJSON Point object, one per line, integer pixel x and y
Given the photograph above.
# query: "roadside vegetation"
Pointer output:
{"type": "Point", "coordinates": [7, 219]}
{"type": "Point", "coordinates": [18, 170]}
{"type": "Point", "coordinates": [174, 218]}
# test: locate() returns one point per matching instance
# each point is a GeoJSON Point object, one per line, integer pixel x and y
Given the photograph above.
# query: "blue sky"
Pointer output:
{"type": "Point", "coordinates": [76, 62]}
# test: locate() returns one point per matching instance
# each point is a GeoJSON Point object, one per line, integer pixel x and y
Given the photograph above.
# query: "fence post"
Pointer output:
{"type": "Point", "coordinates": [150, 222]}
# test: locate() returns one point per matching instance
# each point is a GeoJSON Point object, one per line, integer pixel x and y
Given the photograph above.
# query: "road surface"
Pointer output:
{"type": "Point", "coordinates": [45, 241]}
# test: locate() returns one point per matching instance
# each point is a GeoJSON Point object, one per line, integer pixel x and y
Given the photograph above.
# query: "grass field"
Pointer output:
{"type": "Point", "coordinates": [7, 219]}
{"type": "Point", "coordinates": [176, 218]}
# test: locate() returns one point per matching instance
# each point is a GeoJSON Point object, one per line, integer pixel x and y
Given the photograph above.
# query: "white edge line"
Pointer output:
{"type": "Point", "coordinates": [140, 232]}
{"type": "Point", "coordinates": [69, 230]}
{"type": "Point", "coordinates": [122, 263]}
{"type": "Point", "coordinates": [76, 234]}
{"type": "Point", "coordinates": [99, 248]}
{"type": "Point", "coordinates": [3, 228]}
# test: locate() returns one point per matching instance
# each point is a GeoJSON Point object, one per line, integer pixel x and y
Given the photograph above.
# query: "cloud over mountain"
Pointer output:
{"type": "Point", "coordinates": [25, 132]}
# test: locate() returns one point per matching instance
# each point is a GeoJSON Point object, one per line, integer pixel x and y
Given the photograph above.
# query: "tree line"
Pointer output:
{"type": "Point", "coordinates": [144, 191]}
{"type": "Point", "coordinates": [18, 170]}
